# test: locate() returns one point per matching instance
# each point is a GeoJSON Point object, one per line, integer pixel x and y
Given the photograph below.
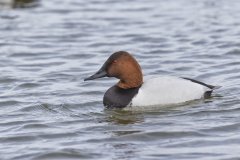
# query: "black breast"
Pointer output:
{"type": "Point", "coordinates": [116, 97]}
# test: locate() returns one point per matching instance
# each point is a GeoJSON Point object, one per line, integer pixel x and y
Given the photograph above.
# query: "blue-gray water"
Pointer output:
{"type": "Point", "coordinates": [48, 112]}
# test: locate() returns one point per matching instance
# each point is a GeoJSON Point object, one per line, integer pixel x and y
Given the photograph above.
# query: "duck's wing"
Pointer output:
{"type": "Point", "coordinates": [168, 90]}
{"type": "Point", "coordinates": [212, 87]}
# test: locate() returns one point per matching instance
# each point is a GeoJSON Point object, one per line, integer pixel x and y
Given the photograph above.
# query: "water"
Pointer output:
{"type": "Point", "coordinates": [49, 47]}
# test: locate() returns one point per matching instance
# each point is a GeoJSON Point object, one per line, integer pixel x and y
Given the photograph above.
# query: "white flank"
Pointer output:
{"type": "Point", "coordinates": [168, 90]}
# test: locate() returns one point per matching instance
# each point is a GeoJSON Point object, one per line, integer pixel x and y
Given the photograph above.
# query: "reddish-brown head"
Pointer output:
{"type": "Point", "coordinates": [122, 66]}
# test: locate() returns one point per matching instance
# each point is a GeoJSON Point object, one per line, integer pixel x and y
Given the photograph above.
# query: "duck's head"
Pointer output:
{"type": "Point", "coordinates": [122, 66]}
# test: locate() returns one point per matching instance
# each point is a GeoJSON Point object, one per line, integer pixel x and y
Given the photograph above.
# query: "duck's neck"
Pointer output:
{"type": "Point", "coordinates": [131, 80]}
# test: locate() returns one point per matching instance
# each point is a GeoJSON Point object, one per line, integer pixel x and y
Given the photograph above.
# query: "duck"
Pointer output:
{"type": "Point", "coordinates": [131, 90]}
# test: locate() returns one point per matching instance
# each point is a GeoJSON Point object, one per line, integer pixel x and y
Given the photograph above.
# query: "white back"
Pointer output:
{"type": "Point", "coordinates": [168, 90]}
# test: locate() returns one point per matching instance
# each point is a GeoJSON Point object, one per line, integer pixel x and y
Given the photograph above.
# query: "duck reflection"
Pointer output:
{"type": "Point", "coordinates": [123, 117]}
{"type": "Point", "coordinates": [18, 3]}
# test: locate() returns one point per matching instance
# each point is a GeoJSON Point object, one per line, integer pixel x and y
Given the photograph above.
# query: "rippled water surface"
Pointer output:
{"type": "Point", "coordinates": [47, 49]}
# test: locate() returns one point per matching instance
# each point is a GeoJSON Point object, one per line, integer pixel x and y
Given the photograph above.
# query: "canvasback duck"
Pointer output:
{"type": "Point", "coordinates": [131, 90]}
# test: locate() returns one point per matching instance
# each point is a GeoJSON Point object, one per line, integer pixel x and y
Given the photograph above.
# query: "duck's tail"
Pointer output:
{"type": "Point", "coordinates": [215, 87]}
